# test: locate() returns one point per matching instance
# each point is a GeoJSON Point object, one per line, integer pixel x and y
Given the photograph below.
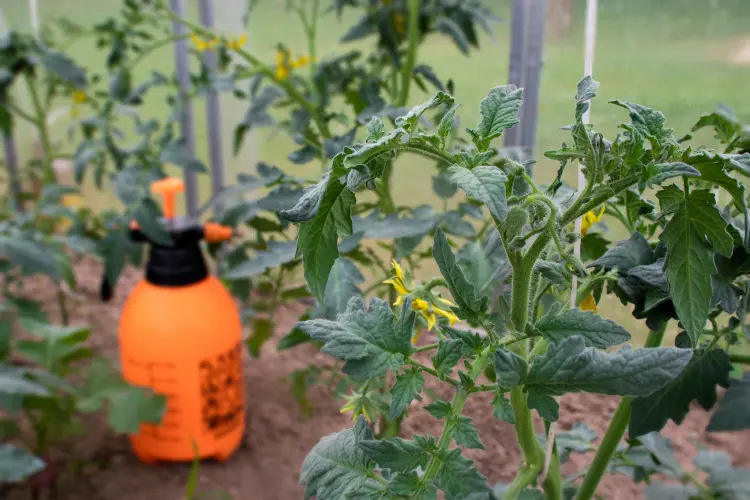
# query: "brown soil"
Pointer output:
{"type": "Point", "coordinates": [267, 466]}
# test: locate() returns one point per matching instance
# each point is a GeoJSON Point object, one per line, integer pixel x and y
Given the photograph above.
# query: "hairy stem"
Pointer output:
{"type": "Point", "coordinates": [48, 173]}
{"type": "Point", "coordinates": [457, 407]}
{"type": "Point", "coordinates": [614, 434]}
{"type": "Point", "coordinates": [411, 52]}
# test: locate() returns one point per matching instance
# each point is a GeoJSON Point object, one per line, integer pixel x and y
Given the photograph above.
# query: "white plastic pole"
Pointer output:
{"type": "Point", "coordinates": [588, 70]}
{"type": "Point", "coordinates": [34, 15]}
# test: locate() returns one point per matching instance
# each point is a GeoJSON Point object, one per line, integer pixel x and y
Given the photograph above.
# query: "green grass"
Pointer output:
{"type": "Point", "coordinates": [675, 57]}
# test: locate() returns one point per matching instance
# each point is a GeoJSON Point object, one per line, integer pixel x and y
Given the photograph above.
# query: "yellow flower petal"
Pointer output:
{"type": "Point", "coordinates": [398, 285]}
{"type": "Point", "coordinates": [446, 302]}
{"type": "Point", "coordinates": [281, 73]}
{"type": "Point", "coordinates": [420, 305]}
{"type": "Point", "coordinates": [399, 271]}
{"type": "Point", "coordinates": [364, 412]}
{"type": "Point", "coordinates": [431, 321]}
{"type": "Point", "coordinates": [399, 300]}
{"type": "Point", "coordinates": [588, 304]}
{"type": "Point", "coordinates": [591, 218]}
{"type": "Point", "coordinates": [452, 318]}
{"type": "Point", "coordinates": [78, 96]}
{"type": "Point", "coordinates": [300, 62]}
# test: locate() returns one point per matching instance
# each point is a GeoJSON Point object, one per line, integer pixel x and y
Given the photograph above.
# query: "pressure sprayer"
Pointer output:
{"type": "Point", "coordinates": [180, 335]}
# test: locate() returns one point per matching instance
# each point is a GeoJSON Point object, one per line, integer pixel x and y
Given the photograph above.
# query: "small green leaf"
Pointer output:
{"type": "Point", "coordinates": [458, 477]}
{"type": "Point", "coordinates": [411, 119]}
{"type": "Point", "coordinates": [399, 455]}
{"type": "Point", "coordinates": [597, 331]}
{"type": "Point", "coordinates": [465, 434]}
{"type": "Point", "coordinates": [439, 409]}
{"type": "Point", "coordinates": [13, 381]}
{"type": "Point", "coordinates": [485, 183]}
{"type": "Point", "coordinates": [446, 123]}
{"type": "Point", "coordinates": [449, 352]}
{"type": "Point", "coordinates": [262, 331]}
{"type": "Point", "coordinates": [510, 368]}
{"type": "Point", "coordinates": [627, 254]}
{"type": "Point", "coordinates": [499, 112]}
{"type": "Point", "coordinates": [570, 366]}
{"type": "Point", "coordinates": [698, 381]}
{"type": "Point", "coordinates": [664, 491]}
{"type": "Point", "coordinates": [655, 174]}
{"type": "Point", "coordinates": [733, 413]}
{"type": "Point", "coordinates": [544, 404]}
{"type": "Point", "coordinates": [463, 292]}
{"type": "Point", "coordinates": [342, 286]}
{"type": "Point", "coordinates": [337, 467]}
{"type": "Point", "coordinates": [648, 122]}
{"type": "Point", "coordinates": [366, 339]}
{"type": "Point", "coordinates": [64, 68]}
{"type": "Point", "coordinates": [17, 464]}
{"type": "Point", "coordinates": [443, 186]}
{"type": "Point", "coordinates": [147, 215]}
{"type": "Point", "coordinates": [724, 123]}
{"type": "Point", "coordinates": [690, 262]}
{"type": "Point", "coordinates": [408, 386]}
{"type": "Point", "coordinates": [503, 409]}
{"type": "Point", "coordinates": [375, 129]}
{"type": "Point", "coordinates": [325, 213]}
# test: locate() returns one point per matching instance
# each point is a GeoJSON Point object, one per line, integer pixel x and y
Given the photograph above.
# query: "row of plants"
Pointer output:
{"type": "Point", "coordinates": [508, 280]}
{"type": "Point", "coordinates": [113, 142]}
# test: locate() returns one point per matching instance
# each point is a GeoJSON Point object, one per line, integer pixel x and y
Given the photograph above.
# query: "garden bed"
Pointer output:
{"type": "Point", "coordinates": [267, 465]}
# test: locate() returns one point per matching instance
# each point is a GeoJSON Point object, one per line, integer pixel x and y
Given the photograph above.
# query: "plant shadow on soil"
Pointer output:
{"type": "Point", "coordinates": [267, 465]}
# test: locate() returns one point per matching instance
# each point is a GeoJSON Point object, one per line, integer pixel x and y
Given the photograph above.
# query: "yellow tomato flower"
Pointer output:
{"type": "Point", "coordinates": [78, 96]}
{"type": "Point", "coordinates": [588, 304]}
{"type": "Point", "coordinates": [237, 43]}
{"type": "Point", "coordinates": [428, 309]}
{"type": "Point", "coordinates": [202, 45]}
{"type": "Point", "coordinates": [285, 65]}
{"type": "Point", "coordinates": [399, 23]}
{"type": "Point", "coordinates": [358, 403]}
{"type": "Point", "coordinates": [589, 219]}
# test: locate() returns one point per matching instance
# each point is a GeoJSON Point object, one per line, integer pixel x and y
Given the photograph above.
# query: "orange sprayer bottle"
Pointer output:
{"type": "Point", "coordinates": [180, 334]}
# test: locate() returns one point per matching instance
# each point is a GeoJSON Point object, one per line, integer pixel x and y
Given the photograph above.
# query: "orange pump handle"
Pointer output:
{"type": "Point", "coordinates": [214, 233]}
{"type": "Point", "coordinates": [168, 189]}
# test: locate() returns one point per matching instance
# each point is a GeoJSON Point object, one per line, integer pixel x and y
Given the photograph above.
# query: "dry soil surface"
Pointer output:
{"type": "Point", "coordinates": [266, 467]}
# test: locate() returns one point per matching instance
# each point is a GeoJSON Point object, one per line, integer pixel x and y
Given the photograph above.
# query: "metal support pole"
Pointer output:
{"type": "Point", "coordinates": [182, 69]}
{"type": "Point", "coordinates": [213, 111]}
{"type": "Point", "coordinates": [517, 57]}
{"type": "Point", "coordinates": [11, 163]}
{"type": "Point", "coordinates": [533, 69]}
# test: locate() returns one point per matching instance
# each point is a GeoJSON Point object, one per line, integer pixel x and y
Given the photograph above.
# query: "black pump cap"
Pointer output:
{"type": "Point", "coordinates": [180, 263]}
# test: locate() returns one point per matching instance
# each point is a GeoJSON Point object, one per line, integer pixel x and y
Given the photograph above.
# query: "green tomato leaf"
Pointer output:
{"type": "Point", "coordinates": [664, 491]}
{"type": "Point", "coordinates": [648, 122]}
{"type": "Point", "coordinates": [698, 381]}
{"type": "Point", "coordinates": [30, 255]}
{"type": "Point", "coordinates": [725, 124]}
{"type": "Point", "coordinates": [325, 213]}
{"type": "Point", "coordinates": [503, 409]}
{"type": "Point", "coordinates": [544, 404]}
{"type": "Point", "coordinates": [443, 186]}
{"type": "Point", "coordinates": [690, 262]}
{"type": "Point", "coordinates": [449, 352]}
{"type": "Point", "coordinates": [278, 253]}
{"type": "Point", "coordinates": [499, 112]}
{"type": "Point", "coordinates": [262, 331]}
{"type": "Point", "coordinates": [411, 119]}
{"type": "Point", "coordinates": [367, 340]}
{"type": "Point", "coordinates": [64, 68]}
{"type": "Point", "coordinates": [446, 123]}
{"type": "Point", "coordinates": [13, 381]}
{"type": "Point", "coordinates": [342, 286]}
{"type": "Point", "coordinates": [17, 464]}
{"type": "Point", "coordinates": [510, 368]}
{"type": "Point", "coordinates": [408, 386]}
{"type": "Point", "coordinates": [337, 467]}
{"type": "Point", "coordinates": [485, 183]}
{"type": "Point", "coordinates": [399, 455]}
{"type": "Point", "coordinates": [627, 254]}
{"type": "Point", "coordinates": [733, 413]}
{"type": "Point", "coordinates": [570, 366]}
{"type": "Point", "coordinates": [458, 477]}
{"type": "Point", "coordinates": [657, 173]}
{"type": "Point", "coordinates": [464, 293]}
{"type": "Point", "coordinates": [465, 434]}
{"type": "Point", "coordinates": [439, 409]}
{"type": "Point", "coordinates": [713, 171]}
{"type": "Point", "coordinates": [597, 331]}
